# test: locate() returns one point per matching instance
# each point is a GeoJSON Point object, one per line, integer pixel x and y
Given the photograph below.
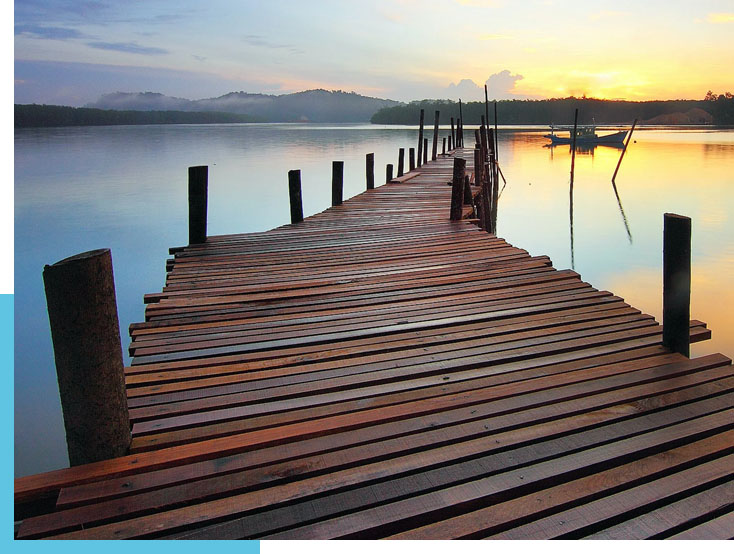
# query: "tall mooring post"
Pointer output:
{"type": "Point", "coordinates": [198, 191]}
{"type": "Point", "coordinates": [676, 282]}
{"type": "Point", "coordinates": [294, 193]}
{"type": "Point", "coordinates": [420, 138]}
{"type": "Point", "coordinates": [82, 312]}
{"type": "Point", "coordinates": [434, 151]}
{"type": "Point", "coordinates": [388, 173]}
{"type": "Point", "coordinates": [370, 170]}
{"type": "Point", "coordinates": [337, 183]}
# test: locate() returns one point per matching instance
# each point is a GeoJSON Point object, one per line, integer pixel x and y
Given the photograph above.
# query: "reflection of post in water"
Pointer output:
{"type": "Point", "coordinates": [621, 210]}
{"type": "Point", "coordinates": [570, 218]}
{"type": "Point", "coordinates": [570, 188]}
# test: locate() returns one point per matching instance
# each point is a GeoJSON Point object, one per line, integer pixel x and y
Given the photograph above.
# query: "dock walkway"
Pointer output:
{"type": "Point", "coordinates": [380, 371]}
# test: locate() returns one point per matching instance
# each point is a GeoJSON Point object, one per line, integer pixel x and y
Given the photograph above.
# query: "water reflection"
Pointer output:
{"type": "Point", "coordinates": [125, 188]}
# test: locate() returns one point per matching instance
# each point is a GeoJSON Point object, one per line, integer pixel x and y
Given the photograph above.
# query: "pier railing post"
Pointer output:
{"type": "Point", "coordinates": [676, 282]}
{"type": "Point", "coordinates": [198, 186]}
{"type": "Point", "coordinates": [411, 159]}
{"type": "Point", "coordinates": [434, 150]}
{"type": "Point", "coordinates": [337, 183]}
{"type": "Point", "coordinates": [388, 173]}
{"type": "Point", "coordinates": [370, 170]}
{"type": "Point", "coordinates": [420, 137]}
{"type": "Point", "coordinates": [401, 162]}
{"type": "Point", "coordinates": [82, 312]}
{"type": "Point", "coordinates": [294, 192]}
{"type": "Point", "coordinates": [457, 189]}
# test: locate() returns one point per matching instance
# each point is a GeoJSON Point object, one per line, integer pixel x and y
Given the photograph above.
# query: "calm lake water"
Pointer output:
{"type": "Point", "coordinates": [124, 188]}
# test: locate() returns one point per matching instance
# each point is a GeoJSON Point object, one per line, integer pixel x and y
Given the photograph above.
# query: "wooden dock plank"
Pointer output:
{"type": "Point", "coordinates": [380, 371]}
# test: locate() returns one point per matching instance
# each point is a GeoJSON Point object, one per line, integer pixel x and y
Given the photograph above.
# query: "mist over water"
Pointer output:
{"type": "Point", "coordinates": [124, 188]}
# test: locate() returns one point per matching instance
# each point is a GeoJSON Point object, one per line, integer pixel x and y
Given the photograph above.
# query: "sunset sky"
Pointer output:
{"type": "Point", "coordinates": [70, 52]}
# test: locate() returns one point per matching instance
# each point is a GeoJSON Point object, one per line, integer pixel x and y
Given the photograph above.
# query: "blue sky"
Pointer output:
{"type": "Point", "coordinates": [70, 52]}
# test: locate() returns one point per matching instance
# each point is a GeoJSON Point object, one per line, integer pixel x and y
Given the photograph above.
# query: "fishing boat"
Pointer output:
{"type": "Point", "coordinates": [585, 135]}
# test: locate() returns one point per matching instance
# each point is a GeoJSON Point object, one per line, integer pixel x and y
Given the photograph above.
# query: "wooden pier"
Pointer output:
{"type": "Point", "coordinates": [378, 370]}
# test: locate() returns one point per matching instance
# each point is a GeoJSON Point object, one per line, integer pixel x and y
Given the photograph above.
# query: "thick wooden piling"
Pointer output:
{"type": "Point", "coordinates": [676, 282]}
{"type": "Point", "coordinates": [337, 183]}
{"type": "Point", "coordinates": [451, 144]}
{"type": "Point", "coordinates": [401, 162]}
{"type": "Point", "coordinates": [425, 150]}
{"type": "Point", "coordinates": [443, 148]}
{"type": "Point", "coordinates": [420, 138]}
{"type": "Point", "coordinates": [388, 173]}
{"type": "Point", "coordinates": [198, 185]}
{"type": "Point", "coordinates": [294, 192]}
{"type": "Point", "coordinates": [82, 312]}
{"type": "Point", "coordinates": [411, 159]}
{"type": "Point", "coordinates": [434, 151]}
{"type": "Point", "coordinates": [370, 170]}
{"type": "Point", "coordinates": [457, 190]}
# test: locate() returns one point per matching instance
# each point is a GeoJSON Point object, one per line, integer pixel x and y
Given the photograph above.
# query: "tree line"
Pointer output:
{"type": "Point", "coordinates": [42, 115]}
{"type": "Point", "coordinates": [558, 110]}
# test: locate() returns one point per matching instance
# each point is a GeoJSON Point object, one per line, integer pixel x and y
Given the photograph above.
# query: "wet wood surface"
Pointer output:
{"type": "Point", "coordinates": [379, 371]}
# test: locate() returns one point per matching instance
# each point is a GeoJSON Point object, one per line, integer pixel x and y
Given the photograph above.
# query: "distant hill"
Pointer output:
{"type": "Point", "coordinates": [320, 106]}
{"type": "Point", "coordinates": [718, 110]}
{"type": "Point", "coordinates": [41, 115]}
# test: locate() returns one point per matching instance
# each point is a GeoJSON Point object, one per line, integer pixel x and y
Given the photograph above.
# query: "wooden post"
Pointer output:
{"type": "Point", "coordinates": [494, 179]}
{"type": "Point", "coordinates": [198, 186]}
{"type": "Point", "coordinates": [626, 142]}
{"type": "Point", "coordinates": [573, 142]}
{"type": "Point", "coordinates": [457, 188]}
{"type": "Point", "coordinates": [460, 134]}
{"type": "Point", "coordinates": [425, 150]}
{"type": "Point", "coordinates": [496, 133]}
{"type": "Point", "coordinates": [82, 311]}
{"type": "Point", "coordinates": [294, 191]}
{"type": "Point", "coordinates": [388, 173]}
{"type": "Point", "coordinates": [443, 148]}
{"type": "Point", "coordinates": [451, 144]}
{"type": "Point", "coordinates": [468, 200]}
{"type": "Point", "coordinates": [420, 138]}
{"type": "Point", "coordinates": [452, 140]}
{"type": "Point", "coordinates": [676, 283]}
{"type": "Point", "coordinates": [370, 170]}
{"type": "Point", "coordinates": [337, 183]}
{"type": "Point", "coordinates": [486, 113]}
{"type": "Point", "coordinates": [411, 159]}
{"type": "Point", "coordinates": [401, 162]}
{"type": "Point", "coordinates": [434, 151]}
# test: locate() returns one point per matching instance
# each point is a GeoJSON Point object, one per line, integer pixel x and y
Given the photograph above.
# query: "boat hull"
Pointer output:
{"type": "Point", "coordinates": [614, 138]}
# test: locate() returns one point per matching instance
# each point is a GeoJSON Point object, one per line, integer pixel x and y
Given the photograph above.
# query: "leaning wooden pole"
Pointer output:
{"type": "Point", "coordinates": [420, 138]}
{"type": "Point", "coordinates": [634, 123]}
{"type": "Point", "coordinates": [82, 312]}
{"type": "Point", "coordinates": [573, 143]}
{"type": "Point", "coordinates": [676, 282]}
{"type": "Point", "coordinates": [434, 150]}
{"type": "Point", "coordinates": [486, 114]}
{"type": "Point", "coordinates": [453, 134]}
